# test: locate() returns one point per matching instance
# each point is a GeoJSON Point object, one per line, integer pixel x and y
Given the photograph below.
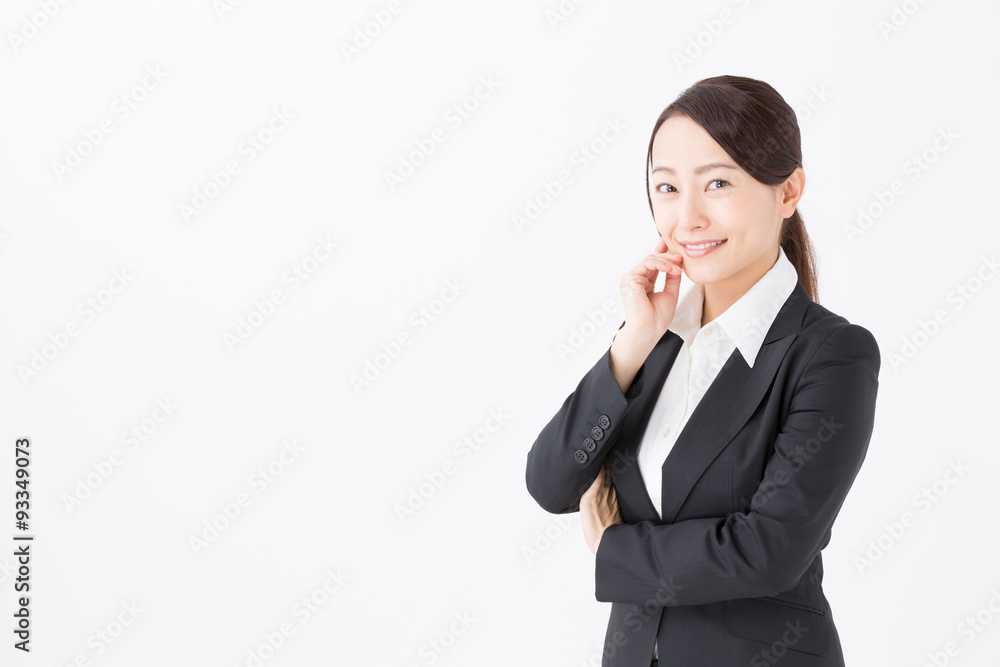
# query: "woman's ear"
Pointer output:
{"type": "Point", "coordinates": [791, 192]}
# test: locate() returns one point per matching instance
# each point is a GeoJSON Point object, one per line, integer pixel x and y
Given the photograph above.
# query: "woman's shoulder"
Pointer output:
{"type": "Point", "coordinates": [825, 329]}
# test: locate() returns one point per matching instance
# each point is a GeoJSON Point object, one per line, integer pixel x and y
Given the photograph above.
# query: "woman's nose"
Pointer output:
{"type": "Point", "coordinates": [690, 214]}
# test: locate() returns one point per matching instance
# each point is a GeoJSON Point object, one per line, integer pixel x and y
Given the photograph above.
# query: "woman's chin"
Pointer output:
{"type": "Point", "coordinates": [700, 276]}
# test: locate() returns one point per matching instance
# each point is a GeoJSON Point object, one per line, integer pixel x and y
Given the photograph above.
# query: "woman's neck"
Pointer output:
{"type": "Point", "coordinates": [719, 296]}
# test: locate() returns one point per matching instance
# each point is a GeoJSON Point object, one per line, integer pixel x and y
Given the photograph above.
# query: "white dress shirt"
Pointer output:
{"type": "Point", "coordinates": [704, 351]}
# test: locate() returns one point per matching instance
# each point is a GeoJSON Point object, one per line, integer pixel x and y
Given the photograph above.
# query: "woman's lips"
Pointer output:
{"type": "Point", "coordinates": [704, 251]}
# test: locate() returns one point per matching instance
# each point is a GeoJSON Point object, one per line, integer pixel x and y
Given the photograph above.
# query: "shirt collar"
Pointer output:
{"type": "Point", "coordinates": [747, 321]}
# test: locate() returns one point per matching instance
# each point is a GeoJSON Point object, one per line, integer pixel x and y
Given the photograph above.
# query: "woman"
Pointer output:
{"type": "Point", "coordinates": [711, 447]}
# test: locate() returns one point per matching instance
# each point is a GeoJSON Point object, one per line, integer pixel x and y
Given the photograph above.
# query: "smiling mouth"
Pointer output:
{"type": "Point", "coordinates": [701, 249]}
{"type": "Point", "coordinates": [702, 246]}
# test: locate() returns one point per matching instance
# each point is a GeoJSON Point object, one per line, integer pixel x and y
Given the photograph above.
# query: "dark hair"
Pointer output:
{"type": "Point", "coordinates": [758, 129]}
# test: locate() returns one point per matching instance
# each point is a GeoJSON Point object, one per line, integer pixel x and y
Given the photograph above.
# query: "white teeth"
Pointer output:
{"type": "Point", "coordinates": [702, 246]}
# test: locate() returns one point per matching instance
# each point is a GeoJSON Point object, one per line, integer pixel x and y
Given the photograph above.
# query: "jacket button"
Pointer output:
{"type": "Point", "coordinates": [581, 456]}
{"type": "Point", "coordinates": [604, 421]}
{"type": "Point", "coordinates": [597, 432]}
{"type": "Point", "coordinates": [589, 444]}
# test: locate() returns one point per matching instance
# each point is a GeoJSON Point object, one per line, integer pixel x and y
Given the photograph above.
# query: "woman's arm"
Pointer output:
{"type": "Point", "coordinates": [765, 550]}
{"type": "Point", "coordinates": [567, 455]}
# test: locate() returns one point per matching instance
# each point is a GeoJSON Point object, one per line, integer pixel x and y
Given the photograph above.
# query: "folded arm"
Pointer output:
{"type": "Point", "coordinates": [765, 549]}
{"type": "Point", "coordinates": [567, 455]}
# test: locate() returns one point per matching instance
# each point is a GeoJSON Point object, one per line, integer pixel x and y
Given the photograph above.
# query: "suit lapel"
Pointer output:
{"type": "Point", "coordinates": [724, 409]}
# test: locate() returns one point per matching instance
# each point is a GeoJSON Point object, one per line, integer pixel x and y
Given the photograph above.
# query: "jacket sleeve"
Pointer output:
{"type": "Point", "coordinates": [766, 549]}
{"type": "Point", "coordinates": [567, 455]}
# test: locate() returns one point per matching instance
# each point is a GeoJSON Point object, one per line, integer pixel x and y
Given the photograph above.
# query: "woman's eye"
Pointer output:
{"type": "Point", "coordinates": [672, 188]}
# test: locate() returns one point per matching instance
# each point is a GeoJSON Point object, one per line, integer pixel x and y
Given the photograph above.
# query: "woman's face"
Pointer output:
{"type": "Point", "coordinates": [693, 204]}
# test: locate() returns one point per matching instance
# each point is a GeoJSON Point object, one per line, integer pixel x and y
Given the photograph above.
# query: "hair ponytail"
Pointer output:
{"type": "Point", "coordinates": [798, 248]}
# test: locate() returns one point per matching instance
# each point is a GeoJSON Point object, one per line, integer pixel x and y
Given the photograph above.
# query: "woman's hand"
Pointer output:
{"type": "Point", "coordinates": [649, 313]}
{"type": "Point", "coordinates": [599, 508]}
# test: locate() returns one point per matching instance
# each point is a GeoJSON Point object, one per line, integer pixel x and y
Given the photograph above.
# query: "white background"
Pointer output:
{"type": "Point", "coordinates": [867, 103]}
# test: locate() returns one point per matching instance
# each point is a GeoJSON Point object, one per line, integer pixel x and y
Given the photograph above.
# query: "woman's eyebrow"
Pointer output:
{"type": "Point", "coordinates": [698, 170]}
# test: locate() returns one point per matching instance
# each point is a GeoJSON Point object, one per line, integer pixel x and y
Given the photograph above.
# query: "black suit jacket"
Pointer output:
{"type": "Point", "coordinates": [732, 574]}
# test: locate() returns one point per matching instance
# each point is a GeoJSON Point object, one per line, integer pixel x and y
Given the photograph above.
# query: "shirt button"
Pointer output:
{"type": "Point", "coordinates": [656, 501]}
{"type": "Point", "coordinates": [708, 331]}
{"type": "Point", "coordinates": [666, 433]}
